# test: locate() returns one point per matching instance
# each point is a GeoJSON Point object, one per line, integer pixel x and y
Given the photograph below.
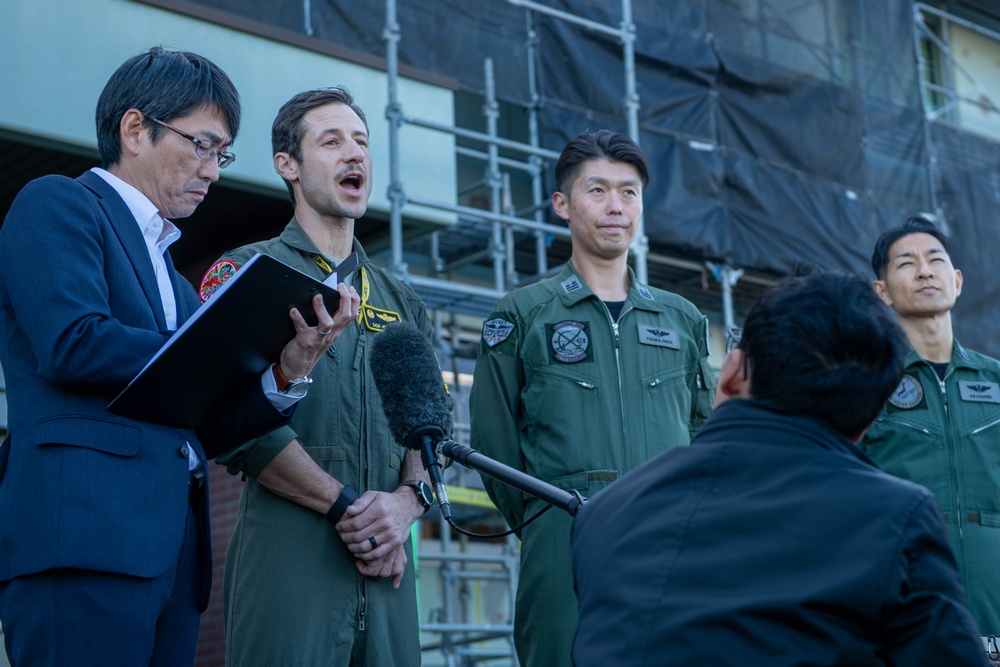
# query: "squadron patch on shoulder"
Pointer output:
{"type": "Point", "coordinates": [496, 331]}
{"type": "Point", "coordinates": [570, 341]}
{"type": "Point", "coordinates": [908, 394]}
{"type": "Point", "coordinates": [571, 284]}
{"type": "Point", "coordinates": [217, 274]}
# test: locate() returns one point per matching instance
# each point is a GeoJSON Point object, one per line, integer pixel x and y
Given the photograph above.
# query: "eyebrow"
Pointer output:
{"type": "Point", "coordinates": [340, 131]}
{"type": "Point", "coordinates": [602, 180]}
{"type": "Point", "coordinates": [910, 253]}
{"type": "Point", "coordinates": [208, 135]}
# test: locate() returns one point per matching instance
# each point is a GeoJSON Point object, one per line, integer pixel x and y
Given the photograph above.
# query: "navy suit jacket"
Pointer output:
{"type": "Point", "coordinates": [80, 315]}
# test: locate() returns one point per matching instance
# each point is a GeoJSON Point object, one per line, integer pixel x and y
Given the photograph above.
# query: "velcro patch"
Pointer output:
{"type": "Point", "coordinates": [907, 394]}
{"type": "Point", "coordinates": [496, 331]}
{"type": "Point", "coordinates": [377, 319]}
{"type": "Point", "coordinates": [570, 341]}
{"type": "Point", "coordinates": [979, 392]}
{"type": "Point", "coordinates": [217, 274]}
{"type": "Point", "coordinates": [661, 337]}
{"type": "Point", "coordinates": [571, 284]}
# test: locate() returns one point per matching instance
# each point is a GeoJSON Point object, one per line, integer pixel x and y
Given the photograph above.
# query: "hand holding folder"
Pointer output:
{"type": "Point", "coordinates": [230, 340]}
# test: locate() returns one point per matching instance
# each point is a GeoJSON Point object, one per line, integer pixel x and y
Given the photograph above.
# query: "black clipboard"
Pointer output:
{"type": "Point", "coordinates": [229, 341]}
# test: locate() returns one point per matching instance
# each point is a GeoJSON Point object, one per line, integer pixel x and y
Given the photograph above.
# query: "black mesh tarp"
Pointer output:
{"type": "Point", "coordinates": [778, 132]}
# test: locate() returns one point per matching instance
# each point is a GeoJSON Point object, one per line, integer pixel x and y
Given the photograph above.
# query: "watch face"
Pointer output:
{"type": "Point", "coordinates": [426, 497]}
{"type": "Point", "coordinates": [297, 388]}
{"type": "Point", "coordinates": [424, 494]}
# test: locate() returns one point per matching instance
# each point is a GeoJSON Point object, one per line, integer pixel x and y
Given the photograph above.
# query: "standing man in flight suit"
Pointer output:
{"type": "Point", "coordinates": [582, 377]}
{"type": "Point", "coordinates": [941, 427]}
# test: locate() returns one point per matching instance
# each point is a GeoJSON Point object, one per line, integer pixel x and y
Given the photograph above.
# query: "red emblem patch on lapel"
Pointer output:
{"type": "Point", "coordinates": [217, 274]}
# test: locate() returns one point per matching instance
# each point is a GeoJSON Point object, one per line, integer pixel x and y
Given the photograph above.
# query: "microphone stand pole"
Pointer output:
{"type": "Point", "coordinates": [568, 501]}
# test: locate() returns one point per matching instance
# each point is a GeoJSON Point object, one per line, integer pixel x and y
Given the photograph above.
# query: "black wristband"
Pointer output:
{"type": "Point", "coordinates": [344, 500]}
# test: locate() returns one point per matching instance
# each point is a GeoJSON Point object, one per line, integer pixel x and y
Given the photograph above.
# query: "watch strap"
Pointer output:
{"type": "Point", "coordinates": [420, 488]}
{"type": "Point", "coordinates": [282, 381]}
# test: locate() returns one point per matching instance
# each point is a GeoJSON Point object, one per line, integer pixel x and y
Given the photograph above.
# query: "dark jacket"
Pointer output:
{"type": "Point", "coordinates": [80, 315]}
{"type": "Point", "coordinates": [771, 540]}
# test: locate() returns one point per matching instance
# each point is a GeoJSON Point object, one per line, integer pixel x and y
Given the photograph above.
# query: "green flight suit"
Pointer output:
{"type": "Point", "coordinates": [945, 435]}
{"type": "Point", "coordinates": [292, 593]}
{"type": "Point", "coordinates": [568, 396]}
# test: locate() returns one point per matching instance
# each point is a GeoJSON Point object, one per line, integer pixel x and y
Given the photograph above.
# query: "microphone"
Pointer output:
{"type": "Point", "coordinates": [408, 379]}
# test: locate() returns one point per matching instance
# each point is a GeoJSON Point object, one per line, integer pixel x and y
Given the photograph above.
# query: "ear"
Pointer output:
{"type": "Point", "coordinates": [131, 131]}
{"type": "Point", "coordinates": [286, 167]}
{"type": "Point", "coordinates": [883, 291]}
{"type": "Point", "coordinates": [731, 383]}
{"type": "Point", "coordinates": [560, 204]}
{"type": "Point", "coordinates": [958, 282]}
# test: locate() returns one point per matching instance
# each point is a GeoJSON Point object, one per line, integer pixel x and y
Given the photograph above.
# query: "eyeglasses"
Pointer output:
{"type": "Point", "coordinates": [202, 148]}
{"type": "Point", "coordinates": [733, 337]}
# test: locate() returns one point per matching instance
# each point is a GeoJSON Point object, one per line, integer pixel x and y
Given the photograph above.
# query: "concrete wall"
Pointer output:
{"type": "Point", "coordinates": [60, 53]}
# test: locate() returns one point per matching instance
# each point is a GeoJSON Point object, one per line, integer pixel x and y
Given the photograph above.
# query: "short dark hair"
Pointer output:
{"type": "Point", "coordinates": [603, 144]}
{"type": "Point", "coordinates": [823, 345]}
{"type": "Point", "coordinates": [913, 225]}
{"type": "Point", "coordinates": [164, 85]}
{"type": "Point", "coordinates": [288, 129]}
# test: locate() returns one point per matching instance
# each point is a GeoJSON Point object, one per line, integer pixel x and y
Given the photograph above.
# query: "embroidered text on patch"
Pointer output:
{"type": "Point", "coordinates": [979, 392]}
{"type": "Point", "coordinates": [907, 394]}
{"type": "Point", "coordinates": [649, 335]}
{"type": "Point", "coordinates": [496, 331]}
{"type": "Point", "coordinates": [570, 341]}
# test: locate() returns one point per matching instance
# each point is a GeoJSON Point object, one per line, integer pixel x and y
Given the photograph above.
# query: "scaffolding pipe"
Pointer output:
{"type": "Point", "coordinates": [537, 196]}
{"type": "Point", "coordinates": [566, 16]}
{"type": "Point", "coordinates": [491, 111]}
{"type": "Point", "coordinates": [504, 161]}
{"type": "Point", "coordinates": [394, 114]}
{"type": "Point", "coordinates": [480, 137]}
{"type": "Point", "coordinates": [482, 214]}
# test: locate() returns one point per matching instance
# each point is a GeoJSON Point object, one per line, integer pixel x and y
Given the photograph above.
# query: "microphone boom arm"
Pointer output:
{"type": "Point", "coordinates": [568, 501]}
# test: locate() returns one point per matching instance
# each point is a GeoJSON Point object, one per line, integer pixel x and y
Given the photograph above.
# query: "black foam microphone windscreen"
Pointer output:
{"type": "Point", "coordinates": [408, 379]}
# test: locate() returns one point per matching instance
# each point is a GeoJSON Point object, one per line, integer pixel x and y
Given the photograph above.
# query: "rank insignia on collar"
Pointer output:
{"type": "Point", "coordinates": [496, 331]}
{"type": "Point", "coordinates": [907, 394]}
{"type": "Point", "coordinates": [644, 292]}
{"type": "Point", "coordinates": [571, 284]}
{"type": "Point", "coordinates": [217, 274]}
{"type": "Point", "coordinates": [570, 341]}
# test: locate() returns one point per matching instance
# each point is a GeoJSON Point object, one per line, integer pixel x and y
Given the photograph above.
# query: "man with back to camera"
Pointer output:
{"type": "Point", "coordinates": [941, 427]}
{"type": "Point", "coordinates": [582, 377]}
{"type": "Point", "coordinates": [105, 559]}
{"type": "Point", "coordinates": [350, 598]}
{"type": "Point", "coordinates": [772, 540]}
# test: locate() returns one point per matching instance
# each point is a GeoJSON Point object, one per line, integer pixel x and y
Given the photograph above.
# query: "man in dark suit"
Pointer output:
{"type": "Point", "coordinates": [772, 539]}
{"type": "Point", "coordinates": [104, 557]}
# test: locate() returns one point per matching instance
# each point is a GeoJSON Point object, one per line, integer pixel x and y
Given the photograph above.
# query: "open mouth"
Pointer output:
{"type": "Point", "coordinates": [353, 181]}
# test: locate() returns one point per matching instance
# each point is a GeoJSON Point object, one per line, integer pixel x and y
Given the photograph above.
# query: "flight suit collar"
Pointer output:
{"type": "Point", "coordinates": [295, 237]}
{"type": "Point", "coordinates": [573, 289]}
{"type": "Point", "coordinates": [960, 358]}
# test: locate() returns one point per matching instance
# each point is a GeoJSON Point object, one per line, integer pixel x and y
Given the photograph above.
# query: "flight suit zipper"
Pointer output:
{"type": "Point", "coordinates": [951, 441]}
{"type": "Point", "coordinates": [626, 450]}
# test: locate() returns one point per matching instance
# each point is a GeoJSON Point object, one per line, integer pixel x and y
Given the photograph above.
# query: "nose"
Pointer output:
{"type": "Point", "coordinates": [355, 152]}
{"type": "Point", "coordinates": [613, 203]}
{"type": "Point", "coordinates": [924, 268]}
{"type": "Point", "coordinates": [209, 170]}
